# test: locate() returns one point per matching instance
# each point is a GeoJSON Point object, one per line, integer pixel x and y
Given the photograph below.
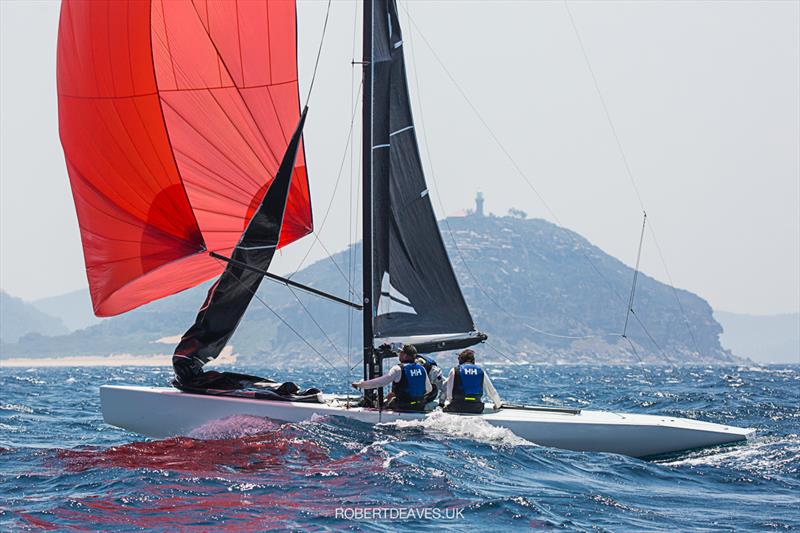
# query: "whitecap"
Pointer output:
{"type": "Point", "coordinates": [388, 462]}
{"type": "Point", "coordinates": [467, 427]}
{"type": "Point", "coordinates": [18, 407]}
{"type": "Point", "coordinates": [763, 456]}
{"type": "Point", "coordinates": [377, 445]}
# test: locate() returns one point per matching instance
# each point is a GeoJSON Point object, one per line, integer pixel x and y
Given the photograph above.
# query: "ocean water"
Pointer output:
{"type": "Point", "coordinates": [62, 468]}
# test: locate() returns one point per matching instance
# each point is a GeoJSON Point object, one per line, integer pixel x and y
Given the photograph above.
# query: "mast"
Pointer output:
{"type": "Point", "coordinates": [366, 201]}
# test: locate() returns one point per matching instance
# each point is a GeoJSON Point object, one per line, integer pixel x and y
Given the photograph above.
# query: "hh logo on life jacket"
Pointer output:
{"type": "Point", "coordinates": [471, 371]}
{"type": "Point", "coordinates": [415, 372]}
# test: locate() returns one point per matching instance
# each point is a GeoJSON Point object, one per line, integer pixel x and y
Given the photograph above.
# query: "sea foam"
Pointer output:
{"type": "Point", "coordinates": [466, 427]}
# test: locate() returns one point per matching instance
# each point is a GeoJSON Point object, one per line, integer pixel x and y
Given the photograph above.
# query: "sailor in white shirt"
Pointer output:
{"type": "Point", "coordinates": [409, 382]}
{"type": "Point", "coordinates": [466, 385]}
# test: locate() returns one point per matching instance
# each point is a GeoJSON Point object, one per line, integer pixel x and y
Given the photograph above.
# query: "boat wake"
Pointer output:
{"type": "Point", "coordinates": [465, 427]}
{"type": "Point", "coordinates": [764, 457]}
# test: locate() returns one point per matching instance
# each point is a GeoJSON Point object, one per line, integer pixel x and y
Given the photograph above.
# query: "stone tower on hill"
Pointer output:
{"type": "Point", "coordinates": [479, 204]}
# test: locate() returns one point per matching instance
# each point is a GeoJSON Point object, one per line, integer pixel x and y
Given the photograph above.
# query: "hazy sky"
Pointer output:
{"type": "Point", "coordinates": [705, 98]}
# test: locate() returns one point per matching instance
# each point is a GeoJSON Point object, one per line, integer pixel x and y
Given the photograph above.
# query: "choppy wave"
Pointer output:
{"type": "Point", "coordinates": [62, 468]}
{"type": "Point", "coordinates": [466, 427]}
{"type": "Point", "coordinates": [763, 457]}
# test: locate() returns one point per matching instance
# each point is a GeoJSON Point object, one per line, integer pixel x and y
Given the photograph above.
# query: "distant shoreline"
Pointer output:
{"type": "Point", "coordinates": [88, 360]}
{"type": "Point", "coordinates": [227, 357]}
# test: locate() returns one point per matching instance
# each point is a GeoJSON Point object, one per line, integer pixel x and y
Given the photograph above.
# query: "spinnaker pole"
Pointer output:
{"type": "Point", "coordinates": [286, 281]}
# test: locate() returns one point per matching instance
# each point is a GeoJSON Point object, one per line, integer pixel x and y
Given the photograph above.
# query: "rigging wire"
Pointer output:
{"type": "Point", "coordinates": [503, 354]}
{"type": "Point", "coordinates": [316, 323]}
{"type": "Point", "coordinates": [635, 277]}
{"type": "Point", "coordinates": [652, 340]}
{"type": "Point", "coordinates": [674, 291]}
{"type": "Point", "coordinates": [525, 178]}
{"type": "Point", "coordinates": [641, 364]}
{"type": "Point", "coordinates": [447, 222]}
{"type": "Point", "coordinates": [472, 106]}
{"type": "Point", "coordinates": [630, 310]}
{"type": "Point", "coordinates": [628, 170]}
{"type": "Point", "coordinates": [352, 251]}
{"type": "Point", "coordinates": [318, 232]}
{"type": "Point", "coordinates": [279, 317]}
{"type": "Point", "coordinates": [319, 52]}
{"type": "Point", "coordinates": [352, 289]}
{"type": "Point", "coordinates": [605, 107]}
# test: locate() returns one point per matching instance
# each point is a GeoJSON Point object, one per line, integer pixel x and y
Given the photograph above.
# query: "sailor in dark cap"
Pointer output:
{"type": "Point", "coordinates": [466, 385]}
{"type": "Point", "coordinates": [409, 380]}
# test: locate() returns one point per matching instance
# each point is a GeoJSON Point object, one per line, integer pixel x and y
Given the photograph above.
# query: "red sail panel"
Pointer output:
{"type": "Point", "coordinates": [173, 116]}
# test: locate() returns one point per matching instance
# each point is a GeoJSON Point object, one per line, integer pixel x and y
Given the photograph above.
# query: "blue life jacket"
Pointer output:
{"type": "Point", "coordinates": [468, 385]}
{"type": "Point", "coordinates": [411, 387]}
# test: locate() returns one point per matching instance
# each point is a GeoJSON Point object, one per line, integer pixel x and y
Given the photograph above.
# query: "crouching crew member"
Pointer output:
{"type": "Point", "coordinates": [409, 380]}
{"type": "Point", "coordinates": [466, 385]}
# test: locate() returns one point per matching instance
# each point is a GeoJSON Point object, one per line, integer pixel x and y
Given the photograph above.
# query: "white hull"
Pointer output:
{"type": "Point", "coordinates": [163, 412]}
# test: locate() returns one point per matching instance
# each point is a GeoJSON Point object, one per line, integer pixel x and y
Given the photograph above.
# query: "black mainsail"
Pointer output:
{"type": "Point", "coordinates": [414, 294]}
{"type": "Point", "coordinates": [229, 297]}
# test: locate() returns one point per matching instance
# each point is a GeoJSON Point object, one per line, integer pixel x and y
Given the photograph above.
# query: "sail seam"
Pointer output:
{"type": "Point", "coordinates": [203, 245]}
{"type": "Point", "coordinates": [233, 163]}
{"type": "Point", "coordinates": [177, 90]}
{"type": "Point", "coordinates": [112, 202]}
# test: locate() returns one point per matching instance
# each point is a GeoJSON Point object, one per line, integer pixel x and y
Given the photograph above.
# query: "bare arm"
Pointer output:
{"type": "Point", "coordinates": [392, 376]}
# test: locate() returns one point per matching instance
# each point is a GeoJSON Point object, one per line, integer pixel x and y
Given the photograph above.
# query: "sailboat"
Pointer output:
{"type": "Point", "coordinates": [182, 130]}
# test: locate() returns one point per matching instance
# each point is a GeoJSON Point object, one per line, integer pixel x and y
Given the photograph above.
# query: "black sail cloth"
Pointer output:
{"type": "Point", "coordinates": [230, 296]}
{"type": "Point", "coordinates": [415, 292]}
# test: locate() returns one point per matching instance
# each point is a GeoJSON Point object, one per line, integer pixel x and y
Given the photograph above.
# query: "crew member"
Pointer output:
{"type": "Point", "coordinates": [436, 378]}
{"type": "Point", "coordinates": [466, 385]}
{"type": "Point", "coordinates": [410, 383]}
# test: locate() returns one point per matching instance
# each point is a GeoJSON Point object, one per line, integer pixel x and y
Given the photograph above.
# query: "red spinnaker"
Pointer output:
{"type": "Point", "coordinates": [174, 116]}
